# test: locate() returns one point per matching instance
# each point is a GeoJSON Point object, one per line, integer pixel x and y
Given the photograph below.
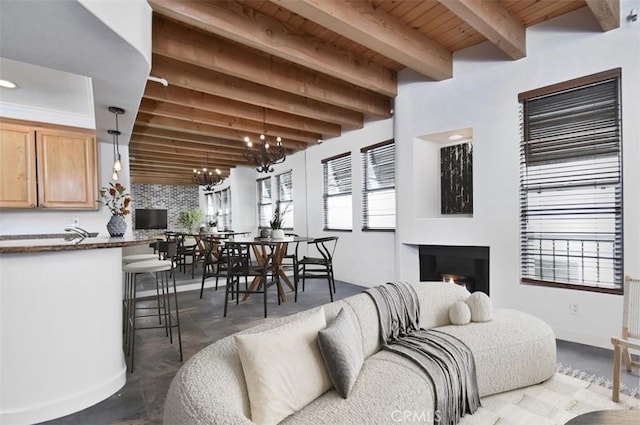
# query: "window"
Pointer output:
{"type": "Point", "coordinates": [379, 179]}
{"type": "Point", "coordinates": [337, 192]}
{"type": "Point", "coordinates": [285, 198]}
{"type": "Point", "coordinates": [264, 202]}
{"type": "Point", "coordinates": [211, 208]}
{"type": "Point", "coordinates": [222, 202]}
{"type": "Point", "coordinates": [571, 186]}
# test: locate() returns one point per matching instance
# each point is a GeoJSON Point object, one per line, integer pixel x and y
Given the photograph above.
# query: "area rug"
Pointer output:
{"type": "Point", "coordinates": [554, 402]}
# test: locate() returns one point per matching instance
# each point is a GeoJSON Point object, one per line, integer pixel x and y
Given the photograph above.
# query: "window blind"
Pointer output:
{"type": "Point", "coordinates": [224, 202]}
{"type": "Point", "coordinates": [571, 186]}
{"type": "Point", "coordinates": [264, 202]}
{"type": "Point", "coordinates": [337, 192]}
{"type": "Point", "coordinates": [379, 194]}
{"type": "Point", "coordinates": [285, 198]}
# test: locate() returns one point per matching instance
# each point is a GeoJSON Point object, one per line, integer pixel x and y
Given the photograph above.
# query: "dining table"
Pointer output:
{"type": "Point", "coordinates": [262, 248]}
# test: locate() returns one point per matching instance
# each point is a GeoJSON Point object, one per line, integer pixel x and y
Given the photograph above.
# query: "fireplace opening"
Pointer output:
{"type": "Point", "coordinates": [466, 281]}
{"type": "Point", "coordinates": [463, 265]}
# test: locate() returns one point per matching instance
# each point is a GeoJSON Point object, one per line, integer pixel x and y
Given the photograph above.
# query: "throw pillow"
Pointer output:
{"type": "Point", "coordinates": [459, 313]}
{"type": "Point", "coordinates": [341, 348]}
{"type": "Point", "coordinates": [283, 368]}
{"type": "Point", "coordinates": [481, 307]}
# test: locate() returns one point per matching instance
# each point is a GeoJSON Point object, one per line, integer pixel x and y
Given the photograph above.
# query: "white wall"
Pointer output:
{"type": "Point", "coordinates": [483, 95]}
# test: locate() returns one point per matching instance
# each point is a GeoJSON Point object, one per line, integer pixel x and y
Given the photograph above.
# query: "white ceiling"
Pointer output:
{"type": "Point", "coordinates": [45, 94]}
{"type": "Point", "coordinates": [78, 37]}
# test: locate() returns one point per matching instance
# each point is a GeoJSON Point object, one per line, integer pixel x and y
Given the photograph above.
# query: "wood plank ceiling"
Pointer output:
{"type": "Point", "coordinates": [305, 70]}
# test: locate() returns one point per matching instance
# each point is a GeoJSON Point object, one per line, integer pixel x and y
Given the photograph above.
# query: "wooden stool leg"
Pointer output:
{"type": "Point", "coordinates": [616, 370]}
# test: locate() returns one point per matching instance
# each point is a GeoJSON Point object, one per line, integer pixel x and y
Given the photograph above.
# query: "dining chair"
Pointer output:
{"type": "Point", "coordinates": [318, 267]}
{"type": "Point", "coordinates": [214, 262]}
{"type": "Point", "coordinates": [630, 330]}
{"type": "Point", "coordinates": [239, 264]}
{"type": "Point", "coordinates": [187, 247]}
{"type": "Point", "coordinates": [290, 258]}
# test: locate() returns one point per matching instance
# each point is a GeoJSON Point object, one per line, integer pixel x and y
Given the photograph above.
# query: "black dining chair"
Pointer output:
{"type": "Point", "coordinates": [215, 261]}
{"type": "Point", "coordinates": [318, 267]}
{"type": "Point", "coordinates": [239, 265]}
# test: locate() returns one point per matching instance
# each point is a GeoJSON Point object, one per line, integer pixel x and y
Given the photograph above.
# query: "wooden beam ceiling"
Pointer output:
{"type": "Point", "coordinates": [494, 22]}
{"type": "Point", "coordinates": [304, 70]}
{"type": "Point", "coordinates": [373, 28]}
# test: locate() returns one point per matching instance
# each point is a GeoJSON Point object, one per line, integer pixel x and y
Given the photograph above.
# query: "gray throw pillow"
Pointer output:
{"type": "Point", "coordinates": [341, 348]}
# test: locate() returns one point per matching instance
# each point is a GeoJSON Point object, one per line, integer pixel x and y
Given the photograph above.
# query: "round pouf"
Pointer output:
{"type": "Point", "coordinates": [481, 307]}
{"type": "Point", "coordinates": [116, 226]}
{"type": "Point", "coordinates": [459, 313]}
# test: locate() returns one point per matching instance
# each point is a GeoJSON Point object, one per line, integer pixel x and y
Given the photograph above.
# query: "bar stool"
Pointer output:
{"type": "Point", "coordinates": [163, 270]}
{"type": "Point", "coordinates": [134, 258]}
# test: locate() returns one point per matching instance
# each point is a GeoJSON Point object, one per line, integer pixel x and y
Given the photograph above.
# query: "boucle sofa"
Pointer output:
{"type": "Point", "coordinates": [512, 350]}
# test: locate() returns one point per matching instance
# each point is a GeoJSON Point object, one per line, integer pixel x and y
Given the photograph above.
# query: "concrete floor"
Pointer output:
{"type": "Point", "coordinates": [141, 400]}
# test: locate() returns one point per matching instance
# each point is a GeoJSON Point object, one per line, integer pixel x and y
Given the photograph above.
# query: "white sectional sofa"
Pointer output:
{"type": "Point", "coordinates": [512, 350]}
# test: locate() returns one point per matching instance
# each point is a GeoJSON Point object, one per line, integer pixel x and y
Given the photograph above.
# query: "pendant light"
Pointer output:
{"type": "Point", "coordinates": [117, 159]}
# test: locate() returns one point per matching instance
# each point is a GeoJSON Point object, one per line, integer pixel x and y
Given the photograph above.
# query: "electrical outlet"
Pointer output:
{"type": "Point", "coordinates": [574, 309]}
{"type": "Point", "coordinates": [71, 221]}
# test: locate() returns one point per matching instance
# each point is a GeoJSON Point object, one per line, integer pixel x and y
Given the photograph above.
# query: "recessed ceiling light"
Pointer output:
{"type": "Point", "coordinates": [7, 84]}
{"type": "Point", "coordinates": [455, 137]}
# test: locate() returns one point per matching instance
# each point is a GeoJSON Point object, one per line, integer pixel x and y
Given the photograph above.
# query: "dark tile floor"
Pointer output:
{"type": "Point", "coordinates": [141, 400]}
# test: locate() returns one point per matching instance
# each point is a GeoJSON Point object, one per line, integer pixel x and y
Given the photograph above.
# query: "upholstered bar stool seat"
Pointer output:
{"type": "Point", "coordinates": [138, 257]}
{"type": "Point", "coordinates": [163, 271]}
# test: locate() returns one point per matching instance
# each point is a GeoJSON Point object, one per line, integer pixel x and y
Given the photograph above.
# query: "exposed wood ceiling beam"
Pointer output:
{"type": "Point", "coordinates": [221, 105]}
{"type": "Point", "coordinates": [159, 178]}
{"type": "Point", "coordinates": [607, 13]}
{"type": "Point", "coordinates": [225, 121]}
{"type": "Point", "coordinates": [365, 24]}
{"type": "Point", "coordinates": [173, 135]}
{"type": "Point", "coordinates": [186, 161]}
{"type": "Point", "coordinates": [246, 26]}
{"type": "Point", "coordinates": [200, 79]}
{"type": "Point", "coordinates": [177, 42]}
{"type": "Point", "coordinates": [494, 22]}
{"type": "Point", "coordinates": [205, 129]}
{"type": "Point", "coordinates": [184, 149]}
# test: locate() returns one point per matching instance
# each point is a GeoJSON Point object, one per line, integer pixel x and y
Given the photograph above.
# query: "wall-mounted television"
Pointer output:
{"type": "Point", "coordinates": [150, 219]}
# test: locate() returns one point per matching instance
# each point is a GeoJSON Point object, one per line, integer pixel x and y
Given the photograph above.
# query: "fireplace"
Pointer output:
{"type": "Point", "coordinates": [464, 265]}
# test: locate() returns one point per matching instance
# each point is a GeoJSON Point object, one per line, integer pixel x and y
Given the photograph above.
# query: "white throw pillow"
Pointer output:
{"type": "Point", "coordinates": [481, 307]}
{"type": "Point", "coordinates": [283, 368]}
{"type": "Point", "coordinates": [459, 313]}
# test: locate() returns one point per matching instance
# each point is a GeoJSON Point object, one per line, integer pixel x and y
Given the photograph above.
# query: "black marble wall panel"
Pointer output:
{"type": "Point", "coordinates": [456, 179]}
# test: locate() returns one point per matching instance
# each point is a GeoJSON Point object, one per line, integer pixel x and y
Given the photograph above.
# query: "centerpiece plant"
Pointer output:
{"type": "Point", "coordinates": [190, 219]}
{"type": "Point", "coordinates": [276, 222]}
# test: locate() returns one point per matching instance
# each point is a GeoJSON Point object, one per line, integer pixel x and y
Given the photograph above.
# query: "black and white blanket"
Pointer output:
{"type": "Point", "coordinates": [447, 360]}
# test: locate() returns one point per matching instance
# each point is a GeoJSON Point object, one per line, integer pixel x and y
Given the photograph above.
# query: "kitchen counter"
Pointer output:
{"type": "Point", "coordinates": [61, 324]}
{"type": "Point", "coordinates": [57, 242]}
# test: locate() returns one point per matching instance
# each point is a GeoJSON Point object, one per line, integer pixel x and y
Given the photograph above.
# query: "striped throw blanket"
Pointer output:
{"type": "Point", "coordinates": [447, 360]}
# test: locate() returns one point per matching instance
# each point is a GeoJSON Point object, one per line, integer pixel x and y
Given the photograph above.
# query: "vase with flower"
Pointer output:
{"type": "Point", "coordinates": [116, 198]}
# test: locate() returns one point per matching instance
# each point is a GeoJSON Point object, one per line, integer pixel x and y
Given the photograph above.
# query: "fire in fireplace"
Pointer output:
{"type": "Point", "coordinates": [466, 281]}
{"type": "Point", "coordinates": [463, 265]}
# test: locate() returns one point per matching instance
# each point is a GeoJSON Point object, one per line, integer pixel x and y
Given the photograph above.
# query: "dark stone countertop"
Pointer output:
{"type": "Point", "coordinates": [56, 242]}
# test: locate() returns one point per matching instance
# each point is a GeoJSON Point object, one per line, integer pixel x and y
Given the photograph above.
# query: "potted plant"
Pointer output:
{"type": "Point", "coordinates": [276, 222]}
{"type": "Point", "coordinates": [190, 219]}
{"type": "Point", "coordinates": [116, 198]}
